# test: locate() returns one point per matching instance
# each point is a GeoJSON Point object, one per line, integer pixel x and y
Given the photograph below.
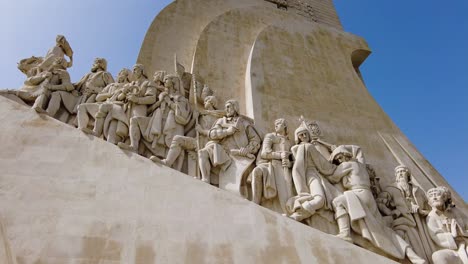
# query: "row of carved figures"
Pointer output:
{"type": "Point", "coordinates": [174, 120]}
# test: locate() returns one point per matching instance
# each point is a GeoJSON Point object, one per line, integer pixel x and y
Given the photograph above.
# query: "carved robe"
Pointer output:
{"type": "Point", "coordinates": [410, 226]}
{"type": "Point", "coordinates": [274, 177]}
{"type": "Point", "coordinates": [362, 209]}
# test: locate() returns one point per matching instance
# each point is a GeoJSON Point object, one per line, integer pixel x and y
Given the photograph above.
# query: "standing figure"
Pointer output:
{"type": "Point", "coordinates": [172, 113]}
{"type": "Point", "coordinates": [107, 100]}
{"type": "Point", "coordinates": [88, 87]}
{"type": "Point", "coordinates": [357, 210]}
{"type": "Point", "coordinates": [140, 94]}
{"type": "Point", "coordinates": [61, 49]}
{"type": "Point", "coordinates": [448, 231]}
{"type": "Point", "coordinates": [231, 136]}
{"type": "Point", "coordinates": [206, 119]}
{"type": "Point", "coordinates": [410, 207]}
{"type": "Point", "coordinates": [272, 177]}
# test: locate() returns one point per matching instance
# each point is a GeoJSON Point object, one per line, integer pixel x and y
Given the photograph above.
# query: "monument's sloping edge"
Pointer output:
{"type": "Point", "coordinates": [66, 196]}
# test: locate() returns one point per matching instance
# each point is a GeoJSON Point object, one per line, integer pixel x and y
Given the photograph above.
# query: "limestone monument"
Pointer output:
{"type": "Point", "coordinates": [257, 193]}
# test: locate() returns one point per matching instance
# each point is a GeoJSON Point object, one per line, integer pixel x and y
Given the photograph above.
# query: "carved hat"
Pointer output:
{"type": "Point", "coordinates": [300, 129]}
{"type": "Point", "coordinates": [340, 150]}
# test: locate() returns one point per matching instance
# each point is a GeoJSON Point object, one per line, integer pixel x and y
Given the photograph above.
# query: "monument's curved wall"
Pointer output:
{"type": "Point", "coordinates": [71, 198]}
{"type": "Point", "coordinates": [279, 64]}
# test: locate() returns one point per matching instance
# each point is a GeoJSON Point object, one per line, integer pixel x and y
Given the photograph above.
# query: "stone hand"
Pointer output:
{"type": "Point", "coordinates": [231, 130]}
{"type": "Point", "coordinates": [414, 208]}
{"type": "Point", "coordinates": [132, 98]}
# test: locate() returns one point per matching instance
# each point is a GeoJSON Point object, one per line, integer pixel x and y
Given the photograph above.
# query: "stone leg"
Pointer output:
{"type": "Point", "coordinates": [112, 137]}
{"type": "Point", "coordinates": [179, 144]}
{"type": "Point", "coordinates": [41, 103]}
{"type": "Point", "coordinates": [54, 104]}
{"type": "Point", "coordinates": [414, 258]}
{"type": "Point", "coordinates": [342, 218]}
{"type": "Point", "coordinates": [135, 135]}
{"type": "Point", "coordinates": [82, 117]}
{"type": "Point", "coordinates": [446, 256]}
{"type": "Point", "coordinates": [99, 118]}
{"type": "Point", "coordinates": [257, 185]}
{"type": "Point", "coordinates": [205, 165]}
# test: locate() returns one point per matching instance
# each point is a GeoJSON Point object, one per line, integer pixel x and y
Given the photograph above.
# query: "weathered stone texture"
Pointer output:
{"type": "Point", "coordinates": [321, 11]}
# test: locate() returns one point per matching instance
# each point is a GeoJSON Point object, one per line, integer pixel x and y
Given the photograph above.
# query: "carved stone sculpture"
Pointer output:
{"type": "Point", "coordinates": [56, 78]}
{"type": "Point", "coordinates": [272, 179]}
{"type": "Point", "coordinates": [314, 193]}
{"type": "Point", "coordinates": [233, 144]}
{"type": "Point", "coordinates": [172, 113]}
{"type": "Point", "coordinates": [408, 208]}
{"type": "Point", "coordinates": [322, 146]}
{"type": "Point", "coordinates": [141, 94]}
{"type": "Point", "coordinates": [448, 231]}
{"type": "Point", "coordinates": [86, 89]}
{"type": "Point", "coordinates": [357, 210]}
{"type": "Point", "coordinates": [180, 143]}
{"type": "Point", "coordinates": [108, 112]}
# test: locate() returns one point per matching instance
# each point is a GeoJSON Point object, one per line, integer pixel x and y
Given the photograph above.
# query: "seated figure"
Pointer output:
{"type": "Point", "coordinates": [447, 229]}
{"type": "Point", "coordinates": [56, 78]}
{"type": "Point", "coordinates": [232, 138]}
{"type": "Point", "coordinates": [86, 90]}
{"type": "Point", "coordinates": [109, 102]}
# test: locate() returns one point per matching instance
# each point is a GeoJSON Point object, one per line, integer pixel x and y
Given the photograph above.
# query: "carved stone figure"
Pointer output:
{"type": "Point", "coordinates": [409, 206]}
{"type": "Point", "coordinates": [206, 119]}
{"type": "Point", "coordinates": [272, 177]}
{"type": "Point", "coordinates": [357, 210]}
{"type": "Point", "coordinates": [185, 79]}
{"type": "Point", "coordinates": [109, 102]}
{"type": "Point", "coordinates": [61, 49]}
{"type": "Point", "coordinates": [172, 113]}
{"type": "Point", "coordinates": [87, 89]}
{"type": "Point", "coordinates": [233, 144]}
{"type": "Point", "coordinates": [141, 94]}
{"type": "Point", "coordinates": [313, 191]}
{"type": "Point", "coordinates": [448, 231]}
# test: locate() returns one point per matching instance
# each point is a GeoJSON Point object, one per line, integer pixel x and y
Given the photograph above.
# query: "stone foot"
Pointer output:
{"type": "Point", "coordinates": [87, 130]}
{"type": "Point", "coordinates": [158, 160]}
{"type": "Point", "coordinates": [345, 237]}
{"type": "Point", "coordinates": [39, 110]}
{"type": "Point", "coordinates": [126, 146]}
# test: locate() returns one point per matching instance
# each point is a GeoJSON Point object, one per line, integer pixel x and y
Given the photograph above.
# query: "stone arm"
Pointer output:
{"type": "Point", "coordinates": [149, 97]}
{"type": "Point", "coordinates": [104, 94]}
{"type": "Point", "coordinates": [267, 152]}
{"type": "Point", "coordinates": [65, 85]}
{"type": "Point", "coordinates": [330, 146]}
{"type": "Point", "coordinates": [218, 132]}
{"type": "Point", "coordinates": [341, 171]}
{"type": "Point", "coordinates": [36, 79]}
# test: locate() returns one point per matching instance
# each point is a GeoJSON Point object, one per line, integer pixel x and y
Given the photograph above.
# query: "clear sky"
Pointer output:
{"type": "Point", "coordinates": [418, 71]}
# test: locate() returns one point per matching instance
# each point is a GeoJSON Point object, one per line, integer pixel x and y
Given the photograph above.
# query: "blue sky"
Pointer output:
{"type": "Point", "coordinates": [418, 71]}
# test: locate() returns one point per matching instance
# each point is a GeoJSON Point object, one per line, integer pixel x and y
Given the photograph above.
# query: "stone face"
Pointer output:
{"type": "Point", "coordinates": [86, 201]}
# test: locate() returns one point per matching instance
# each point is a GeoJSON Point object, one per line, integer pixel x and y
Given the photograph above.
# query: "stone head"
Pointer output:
{"type": "Point", "coordinates": [340, 155]}
{"type": "Point", "coordinates": [124, 76]}
{"type": "Point", "coordinates": [301, 135]}
{"type": "Point", "coordinates": [232, 108]}
{"type": "Point", "coordinates": [206, 92]}
{"type": "Point", "coordinates": [139, 71]}
{"type": "Point", "coordinates": [158, 77]}
{"type": "Point", "coordinates": [281, 126]}
{"type": "Point", "coordinates": [437, 198]}
{"type": "Point", "coordinates": [211, 102]}
{"type": "Point", "coordinates": [100, 64]}
{"type": "Point", "coordinates": [402, 174]}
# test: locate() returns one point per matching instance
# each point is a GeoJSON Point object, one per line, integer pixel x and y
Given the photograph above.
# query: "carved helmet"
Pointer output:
{"type": "Point", "coordinates": [300, 129]}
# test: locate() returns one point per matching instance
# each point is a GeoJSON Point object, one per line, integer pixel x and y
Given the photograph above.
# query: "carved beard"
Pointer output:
{"type": "Point", "coordinates": [405, 187]}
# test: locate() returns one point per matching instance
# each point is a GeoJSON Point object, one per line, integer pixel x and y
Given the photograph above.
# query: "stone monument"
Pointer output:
{"type": "Point", "coordinates": [154, 170]}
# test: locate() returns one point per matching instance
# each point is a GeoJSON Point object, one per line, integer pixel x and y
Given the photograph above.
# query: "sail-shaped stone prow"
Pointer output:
{"type": "Point", "coordinates": [66, 197]}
